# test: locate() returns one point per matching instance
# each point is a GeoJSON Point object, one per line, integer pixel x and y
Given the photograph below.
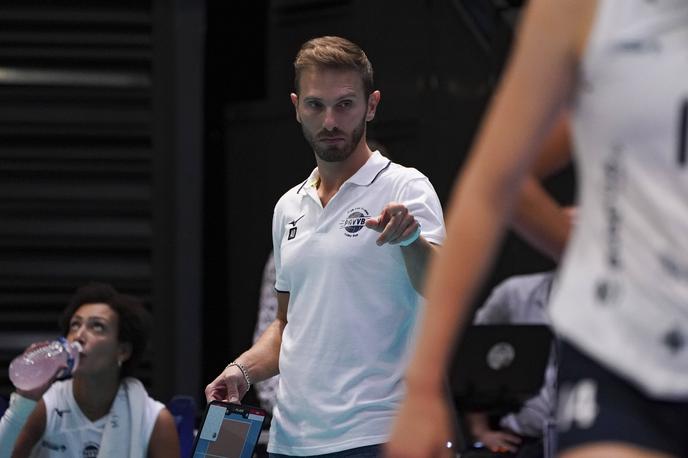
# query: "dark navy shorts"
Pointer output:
{"type": "Point", "coordinates": [596, 405]}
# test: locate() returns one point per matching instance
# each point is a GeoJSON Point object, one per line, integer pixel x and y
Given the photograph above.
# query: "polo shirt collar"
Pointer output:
{"type": "Point", "coordinates": [370, 170]}
{"type": "Point", "coordinates": [375, 164]}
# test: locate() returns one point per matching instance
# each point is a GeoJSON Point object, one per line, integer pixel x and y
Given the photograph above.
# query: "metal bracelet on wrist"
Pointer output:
{"type": "Point", "coordinates": [243, 370]}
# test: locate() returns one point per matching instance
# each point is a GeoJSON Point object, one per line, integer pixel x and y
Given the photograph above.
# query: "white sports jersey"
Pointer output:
{"type": "Point", "coordinates": [623, 291]}
{"type": "Point", "coordinates": [352, 309]}
{"type": "Point", "coordinates": [69, 433]}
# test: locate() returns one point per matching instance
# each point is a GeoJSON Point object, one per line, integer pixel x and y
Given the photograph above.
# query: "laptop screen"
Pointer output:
{"type": "Point", "coordinates": [228, 431]}
{"type": "Point", "coordinates": [500, 365]}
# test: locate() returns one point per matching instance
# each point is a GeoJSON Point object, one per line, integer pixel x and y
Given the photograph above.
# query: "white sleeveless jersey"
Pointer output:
{"type": "Point", "coordinates": [622, 295]}
{"type": "Point", "coordinates": [69, 433]}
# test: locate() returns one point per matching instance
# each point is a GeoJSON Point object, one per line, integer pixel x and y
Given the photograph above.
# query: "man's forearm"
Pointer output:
{"type": "Point", "coordinates": [262, 359]}
{"type": "Point", "coordinates": [416, 258]}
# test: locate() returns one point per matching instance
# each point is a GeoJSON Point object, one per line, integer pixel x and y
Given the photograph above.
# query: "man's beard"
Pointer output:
{"type": "Point", "coordinates": [335, 153]}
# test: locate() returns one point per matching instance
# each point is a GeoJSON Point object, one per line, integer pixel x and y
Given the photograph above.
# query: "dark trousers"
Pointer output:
{"type": "Point", "coordinates": [369, 451]}
{"type": "Point", "coordinates": [530, 448]}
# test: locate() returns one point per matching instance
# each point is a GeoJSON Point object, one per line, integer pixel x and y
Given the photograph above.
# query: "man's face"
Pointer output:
{"type": "Point", "coordinates": [333, 110]}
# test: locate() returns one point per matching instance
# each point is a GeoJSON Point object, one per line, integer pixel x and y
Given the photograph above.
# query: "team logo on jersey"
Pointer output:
{"type": "Point", "coordinates": [90, 450]}
{"type": "Point", "coordinates": [53, 447]}
{"type": "Point", "coordinates": [114, 420]}
{"type": "Point", "coordinates": [354, 221]}
{"type": "Point", "coordinates": [293, 228]}
{"type": "Point", "coordinates": [674, 340]}
{"type": "Point", "coordinates": [61, 412]}
{"type": "Point", "coordinates": [607, 291]}
{"type": "Point", "coordinates": [673, 267]}
{"type": "Point", "coordinates": [638, 47]}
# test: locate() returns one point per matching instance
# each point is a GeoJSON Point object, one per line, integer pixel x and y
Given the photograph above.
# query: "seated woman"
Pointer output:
{"type": "Point", "coordinates": [100, 411]}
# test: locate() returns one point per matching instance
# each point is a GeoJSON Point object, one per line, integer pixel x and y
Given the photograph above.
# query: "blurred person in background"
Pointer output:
{"type": "Point", "coordinates": [621, 301]}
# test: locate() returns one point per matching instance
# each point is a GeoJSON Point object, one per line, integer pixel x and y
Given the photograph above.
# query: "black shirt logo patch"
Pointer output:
{"type": "Point", "coordinates": [292, 230]}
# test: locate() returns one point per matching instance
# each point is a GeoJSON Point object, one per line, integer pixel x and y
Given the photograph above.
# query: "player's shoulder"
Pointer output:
{"type": "Point", "coordinates": [293, 195]}
{"type": "Point", "coordinates": [401, 173]}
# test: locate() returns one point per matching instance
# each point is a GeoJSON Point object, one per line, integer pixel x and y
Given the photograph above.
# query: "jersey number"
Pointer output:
{"type": "Point", "coordinates": [683, 135]}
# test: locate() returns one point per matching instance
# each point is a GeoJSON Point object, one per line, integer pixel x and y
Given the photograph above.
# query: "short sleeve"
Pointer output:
{"type": "Point", "coordinates": [420, 198]}
{"type": "Point", "coordinates": [281, 283]}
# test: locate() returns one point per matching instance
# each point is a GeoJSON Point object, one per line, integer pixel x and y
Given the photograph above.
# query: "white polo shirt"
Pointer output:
{"type": "Point", "coordinates": [352, 309]}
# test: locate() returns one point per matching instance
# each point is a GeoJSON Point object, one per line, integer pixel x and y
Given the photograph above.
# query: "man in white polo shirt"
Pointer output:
{"type": "Point", "coordinates": [350, 247]}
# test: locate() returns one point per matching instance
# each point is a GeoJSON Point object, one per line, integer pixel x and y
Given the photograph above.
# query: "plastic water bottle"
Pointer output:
{"type": "Point", "coordinates": [39, 364]}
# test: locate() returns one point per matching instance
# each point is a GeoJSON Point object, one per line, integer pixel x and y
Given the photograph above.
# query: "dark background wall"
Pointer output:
{"type": "Point", "coordinates": [101, 149]}
{"type": "Point", "coordinates": [145, 143]}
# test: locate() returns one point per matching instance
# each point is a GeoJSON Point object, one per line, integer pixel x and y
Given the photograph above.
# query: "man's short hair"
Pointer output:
{"type": "Point", "coordinates": [333, 53]}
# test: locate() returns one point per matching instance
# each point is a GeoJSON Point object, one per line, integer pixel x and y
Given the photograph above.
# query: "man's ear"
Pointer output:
{"type": "Point", "coordinates": [295, 102]}
{"type": "Point", "coordinates": [373, 101]}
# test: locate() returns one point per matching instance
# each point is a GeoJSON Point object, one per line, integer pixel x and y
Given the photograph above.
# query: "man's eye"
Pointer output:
{"type": "Point", "coordinates": [313, 104]}
{"type": "Point", "coordinates": [346, 104]}
{"type": "Point", "coordinates": [74, 325]}
{"type": "Point", "coordinates": [98, 326]}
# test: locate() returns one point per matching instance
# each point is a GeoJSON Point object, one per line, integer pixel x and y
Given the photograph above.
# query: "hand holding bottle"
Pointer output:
{"type": "Point", "coordinates": [41, 364]}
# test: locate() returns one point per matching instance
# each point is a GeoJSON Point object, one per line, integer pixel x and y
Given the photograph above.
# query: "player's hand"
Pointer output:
{"type": "Point", "coordinates": [37, 393]}
{"type": "Point", "coordinates": [500, 441]}
{"type": "Point", "coordinates": [422, 429]}
{"type": "Point", "coordinates": [229, 386]}
{"type": "Point", "coordinates": [395, 224]}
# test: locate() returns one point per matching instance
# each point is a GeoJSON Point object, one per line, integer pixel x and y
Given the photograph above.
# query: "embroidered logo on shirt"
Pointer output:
{"type": "Point", "coordinates": [61, 412]}
{"type": "Point", "coordinates": [607, 291]}
{"type": "Point", "coordinates": [293, 223]}
{"type": "Point", "coordinates": [90, 450]}
{"type": "Point", "coordinates": [54, 447]}
{"type": "Point", "coordinates": [354, 221]}
{"type": "Point", "coordinates": [674, 340]}
{"type": "Point", "coordinates": [292, 230]}
{"type": "Point", "coordinates": [638, 46]}
{"type": "Point", "coordinates": [673, 266]}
